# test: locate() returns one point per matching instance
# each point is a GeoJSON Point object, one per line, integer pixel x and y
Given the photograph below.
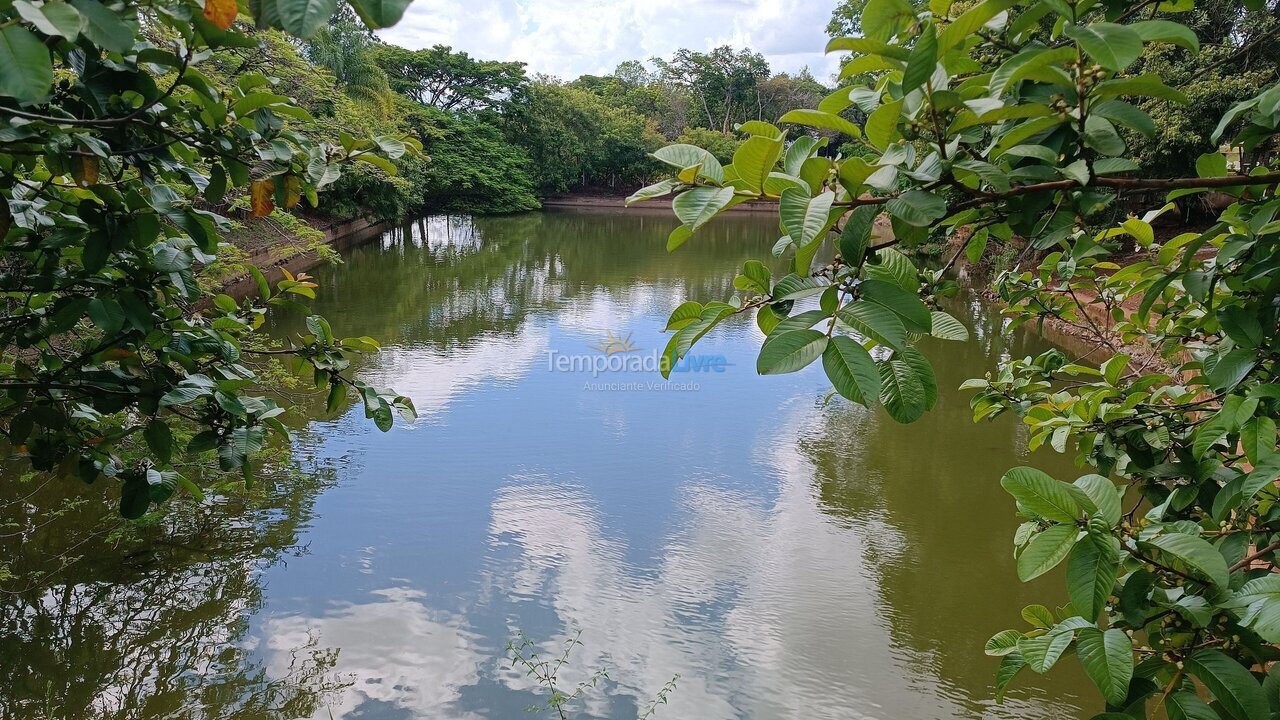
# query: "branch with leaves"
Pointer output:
{"type": "Point", "coordinates": [1009, 119]}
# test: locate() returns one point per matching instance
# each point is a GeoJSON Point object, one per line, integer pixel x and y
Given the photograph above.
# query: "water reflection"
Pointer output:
{"type": "Point", "coordinates": [788, 559]}
{"type": "Point", "coordinates": [397, 654]}
{"type": "Point", "coordinates": [102, 621]}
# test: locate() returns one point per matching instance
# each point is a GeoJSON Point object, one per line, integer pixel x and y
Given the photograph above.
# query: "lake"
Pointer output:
{"type": "Point", "coordinates": [786, 557]}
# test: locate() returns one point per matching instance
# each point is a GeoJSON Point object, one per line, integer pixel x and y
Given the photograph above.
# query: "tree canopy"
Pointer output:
{"type": "Point", "coordinates": [119, 158]}
{"type": "Point", "coordinates": [451, 81]}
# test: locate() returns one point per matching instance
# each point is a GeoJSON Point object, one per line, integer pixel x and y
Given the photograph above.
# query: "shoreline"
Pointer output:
{"type": "Point", "coordinates": [338, 236]}
{"type": "Point", "coordinates": [616, 202]}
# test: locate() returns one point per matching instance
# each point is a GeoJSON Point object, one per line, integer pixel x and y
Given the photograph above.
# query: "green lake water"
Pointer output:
{"type": "Point", "coordinates": [785, 557]}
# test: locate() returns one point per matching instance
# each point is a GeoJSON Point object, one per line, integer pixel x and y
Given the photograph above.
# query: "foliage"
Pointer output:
{"type": "Point", "coordinates": [1238, 58]}
{"type": "Point", "coordinates": [1005, 118]}
{"type": "Point", "coordinates": [451, 81]}
{"type": "Point", "coordinates": [345, 47]}
{"type": "Point", "coordinates": [454, 181]}
{"type": "Point", "coordinates": [576, 138]}
{"type": "Point", "coordinates": [724, 83]}
{"type": "Point", "coordinates": [115, 143]}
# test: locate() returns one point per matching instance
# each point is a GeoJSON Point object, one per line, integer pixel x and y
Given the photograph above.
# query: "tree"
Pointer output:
{"type": "Point", "coordinates": [455, 181]}
{"type": "Point", "coordinates": [577, 139]}
{"type": "Point", "coordinates": [114, 146]}
{"type": "Point", "coordinates": [722, 82]}
{"type": "Point", "coordinates": [1170, 538]}
{"type": "Point", "coordinates": [345, 47]}
{"type": "Point", "coordinates": [451, 81]}
{"type": "Point", "coordinates": [1238, 58]}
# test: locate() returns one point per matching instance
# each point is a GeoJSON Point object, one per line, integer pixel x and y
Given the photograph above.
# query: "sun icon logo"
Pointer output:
{"type": "Point", "coordinates": [613, 344]}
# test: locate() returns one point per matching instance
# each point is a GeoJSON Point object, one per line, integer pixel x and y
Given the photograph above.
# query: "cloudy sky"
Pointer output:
{"type": "Point", "coordinates": [568, 38]}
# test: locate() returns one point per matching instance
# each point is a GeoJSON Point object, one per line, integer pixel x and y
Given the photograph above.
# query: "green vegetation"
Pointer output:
{"type": "Point", "coordinates": [128, 134]}
{"type": "Point", "coordinates": [1034, 122]}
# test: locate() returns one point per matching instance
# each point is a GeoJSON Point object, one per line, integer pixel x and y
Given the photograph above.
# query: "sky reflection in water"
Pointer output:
{"type": "Point", "coordinates": [787, 559]}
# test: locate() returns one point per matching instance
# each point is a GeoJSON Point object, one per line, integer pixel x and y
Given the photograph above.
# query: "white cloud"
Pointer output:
{"type": "Point", "coordinates": [568, 38]}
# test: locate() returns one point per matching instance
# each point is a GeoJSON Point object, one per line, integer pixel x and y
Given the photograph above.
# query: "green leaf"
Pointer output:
{"type": "Point", "coordinates": [1166, 31]}
{"type": "Point", "coordinates": [1091, 575]}
{"type": "Point", "coordinates": [1107, 658]}
{"type": "Point", "coordinates": [135, 497]}
{"type": "Point", "coordinates": [851, 370]}
{"type": "Point", "coordinates": [759, 127]}
{"type": "Point", "coordinates": [379, 13]}
{"type": "Point", "coordinates": [855, 237]}
{"type": "Point", "coordinates": [820, 119]}
{"type": "Point", "coordinates": [678, 237]}
{"type": "Point", "coordinates": [696, 207]}
{"type": "Point", "coordinates": [906, 305]}
{"type": "Point", "coordinates": [304, 17]}
{"type": "Point", "coordinates": [923, 60]}
{"type": "Point", "coordinates": [1021, 66]}
{"type": "Point", "coordinates": [51, 18]}
{"type": "Point", "coordinates": [1043, 651]}
{"type": "Point", "coordinates": [917, 207]}
{"type": "Point", "coordinates": [1226, 371]}
{"type": "Point", "coordinates": [1041, 495]}
{"type": "Point", "coordinates": [875, 322]}
{"type": "Point", "coordinates": [919, 364]}
{"type": "Point", "coordinates": [1257, 604]}
{"type": "Point", "coordinates": [683, 156]}
{"type": "Point", "coordinates": [1104, 494]}
{"type": "Point", "coordinates": [893, 267]}
{"type": "Point", "coordinates": [1186, 705]}
{"type": "Point", "coordinates": [794, 287]}
{"type": "Point", "coordinates": [946, 327]}
{"type": "Point", "coordinates": [651, 191]}
{"type": "Point", "coordinates": [1234, 686]}
{"type": "Point", "coordinates": [1045, 551]}
{"type": "Point", "coordinates": [1009, 668]}
{"type": "Point", "coordinates": [1038, 616]}
{"type": "Point", "coordinates": [882, 19]}
{"type": "Point", "coordinates": [868, 46]}
{"type": "Point", "coordinates": [755, 158]}
{"type": "Point", "coordinates": [1128, 115]}
{"type": "Point", "coordinates": [103, 26]}
{"type": "Point", "coordinates": [1002, 643]}
{"type": "Point", "coordinates": [1113, 46]}
{"type": "Point", "coordinates": [882, 124]}
{"type": "Point", "coordinates": [337, 397]}
{"type": "Point", "coordinates": [901, 391]}
{"type": "Point", "coordinates": [755, 278]}
{"type": "Point", "coordinates": [1148, 85]}
{"type": "Point", "coordinates": [972, 20]}
{"type": "Point", "coordinates": [160, 439]}
{"type": "Point", "coordinates": [1199, 557]}
{"type": "Point", "coordinates": [804, 217]}
{"type": "Point", "coordinates": [1101, 135]}
{"type": "Point", "coordinates": [790, 351]}
{"type": "Point", "coordinates": [107, 314]}
{"type": "Point", "coordinates": [26, 71]}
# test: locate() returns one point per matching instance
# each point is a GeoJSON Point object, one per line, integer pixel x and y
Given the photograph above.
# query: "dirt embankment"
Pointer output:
{"type": "Point", "coordinates": [272, 249]}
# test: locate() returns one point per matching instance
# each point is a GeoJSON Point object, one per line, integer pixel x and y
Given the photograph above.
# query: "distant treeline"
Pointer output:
{"type": "Point", "coordinates": [499, 139]}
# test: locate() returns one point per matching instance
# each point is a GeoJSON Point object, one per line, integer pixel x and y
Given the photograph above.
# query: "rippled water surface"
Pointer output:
{"type": "Point", "coordinates": [785, 558]}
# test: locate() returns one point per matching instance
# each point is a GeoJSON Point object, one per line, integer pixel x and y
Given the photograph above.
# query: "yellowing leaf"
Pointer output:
{"type": "Point", "coordinates": [292, 190]}
{"type": "Point", "coordinates": [84, 169]}
{"type": "Point", "coordinates": [221, 12]}
{"type": "Point", "coordinates": [260, 197]}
